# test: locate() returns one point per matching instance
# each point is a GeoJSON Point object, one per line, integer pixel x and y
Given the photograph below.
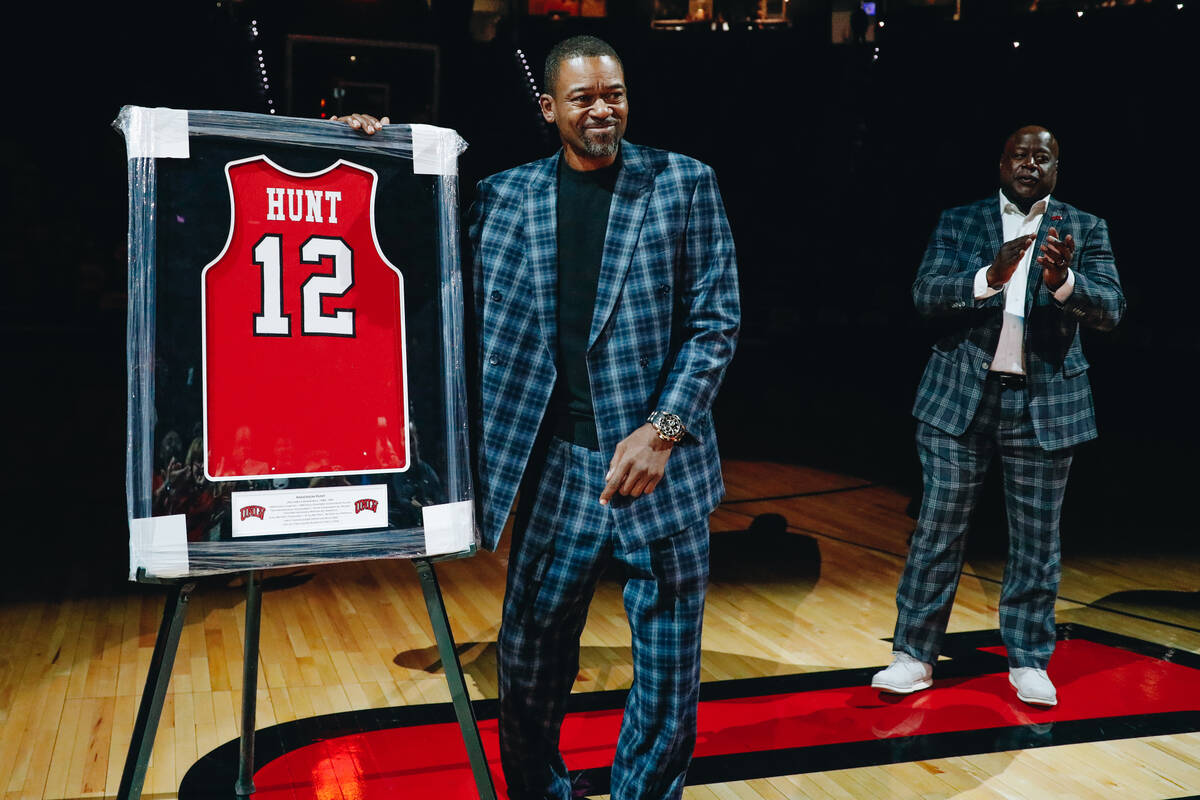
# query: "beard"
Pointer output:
{"type": "Point", "coordinates": [601, 142]}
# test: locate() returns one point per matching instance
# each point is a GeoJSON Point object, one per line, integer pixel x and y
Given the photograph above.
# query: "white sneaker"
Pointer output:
{"type": "Point", "coordinates": [1033, 686]}
{"type": "Point", "coordinates": [904, 676]}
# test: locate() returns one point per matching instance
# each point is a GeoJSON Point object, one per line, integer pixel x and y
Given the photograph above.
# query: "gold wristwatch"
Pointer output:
{"type": "Point", "coordinates": [669, 426]}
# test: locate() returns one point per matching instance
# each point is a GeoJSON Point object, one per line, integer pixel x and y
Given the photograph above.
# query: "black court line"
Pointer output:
{"type": "Point", "coordinates": [212, 777]}
{"type": "Point", "coordinates": [852, 755]}
{"type": "Point", "coordinates": [797, 494]}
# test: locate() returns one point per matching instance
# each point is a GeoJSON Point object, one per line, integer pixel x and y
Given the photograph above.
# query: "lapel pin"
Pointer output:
{"type": "Point", "coordinates": [1056, 217]}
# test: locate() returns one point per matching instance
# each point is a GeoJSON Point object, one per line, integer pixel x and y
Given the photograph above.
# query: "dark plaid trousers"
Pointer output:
{"type": "Point", "coordinates": [1034, 483]}
{"type": "Point", "coordinates": [553, 568]}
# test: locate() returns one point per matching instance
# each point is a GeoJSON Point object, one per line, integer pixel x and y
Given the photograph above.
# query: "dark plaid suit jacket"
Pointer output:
{"type": "Point", "coordinates": [663, 330]}
{"type": "Point", "coordinates": [1060, 396]}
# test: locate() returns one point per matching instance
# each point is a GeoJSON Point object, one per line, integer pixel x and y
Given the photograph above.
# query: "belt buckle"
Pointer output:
{"type": "Point", "coordinates": [1010, 381]}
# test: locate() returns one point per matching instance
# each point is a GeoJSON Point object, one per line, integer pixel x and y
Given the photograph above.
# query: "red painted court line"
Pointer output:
{"type": "Point", "coordinates": [1094, 681]}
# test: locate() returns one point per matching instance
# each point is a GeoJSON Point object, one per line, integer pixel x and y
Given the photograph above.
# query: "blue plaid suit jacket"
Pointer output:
{"type": "Point", "coordinates": [1060, 396]}
{"type": "Point", "coordinates": [663, 330]}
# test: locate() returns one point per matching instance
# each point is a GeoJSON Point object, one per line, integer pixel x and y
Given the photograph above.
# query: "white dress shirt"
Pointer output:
{"type": "Point", "coordinates": [1010, 350]}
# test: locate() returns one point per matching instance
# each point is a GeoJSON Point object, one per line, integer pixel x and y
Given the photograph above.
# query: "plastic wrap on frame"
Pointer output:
{"type": "Point", "coordinates": [152, 134]}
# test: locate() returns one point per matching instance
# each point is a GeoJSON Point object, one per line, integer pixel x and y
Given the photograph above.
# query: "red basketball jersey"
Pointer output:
{"type": "Point", "coordinates": [303, 330]}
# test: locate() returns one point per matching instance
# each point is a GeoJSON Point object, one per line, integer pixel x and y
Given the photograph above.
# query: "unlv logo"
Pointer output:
{"type": "Point", "coordinates": [252, 511]}
{"type": "Point", "coordinates": [364, 505]}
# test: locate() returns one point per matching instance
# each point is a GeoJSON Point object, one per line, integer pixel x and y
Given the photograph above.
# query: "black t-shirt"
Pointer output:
{"type": "Point", "coordinates": [583, 204]}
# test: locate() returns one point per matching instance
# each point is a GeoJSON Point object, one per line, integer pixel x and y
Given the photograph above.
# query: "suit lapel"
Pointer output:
{"type": "Point", "coordinates": [631, 196]}
{"type": "Point", "coordinates": [993, 228]}
{"type": "Point", "coordinates": [1034, 279]}
{"type": "Point", "coordinates": [541, 232]}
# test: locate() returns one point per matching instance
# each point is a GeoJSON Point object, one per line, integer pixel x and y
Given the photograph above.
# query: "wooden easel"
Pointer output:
{"type": "Point", "coordinates": [163, 660]}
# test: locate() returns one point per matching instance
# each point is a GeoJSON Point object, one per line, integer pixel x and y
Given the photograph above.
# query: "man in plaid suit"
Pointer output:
{"type": "Point", "coordinates": [1010, 379]}
{"type": "Point", "coordinates": [606, 298]}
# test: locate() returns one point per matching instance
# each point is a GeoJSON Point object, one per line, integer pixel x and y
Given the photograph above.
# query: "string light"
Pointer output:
{"type": "Point", "coordinates": [528, 74]}
{"type": "Point", "coordinates": [262, 68]}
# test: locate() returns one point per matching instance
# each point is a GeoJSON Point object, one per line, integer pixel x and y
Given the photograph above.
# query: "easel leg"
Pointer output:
{"type": "Point", "coordinates": [455, 679]}
{"type": "Point", "coordinates": [245, 781]}
{"type": "Point", "coordinates": [157, 680]}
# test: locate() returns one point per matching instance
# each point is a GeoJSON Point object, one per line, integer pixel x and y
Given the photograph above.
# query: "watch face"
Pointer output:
{"type": "Point", "coordinates": [670, 425]}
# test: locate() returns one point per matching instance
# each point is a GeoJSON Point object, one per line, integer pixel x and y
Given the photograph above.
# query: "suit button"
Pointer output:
{"type": "Point", "coordinates": [494, 361]}
{"type": "Point", "coordinates": [984, 365]}
{"type": "Point", "coordinates": [643, 361]}
{"type": "Point", "coordinates": [664, 290]}
{"type": "Point", "coordinates": [497, 296]}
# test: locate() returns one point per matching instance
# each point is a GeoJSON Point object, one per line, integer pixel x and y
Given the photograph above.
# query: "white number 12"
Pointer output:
{"type": "Point", "coordinates": [268, 254]}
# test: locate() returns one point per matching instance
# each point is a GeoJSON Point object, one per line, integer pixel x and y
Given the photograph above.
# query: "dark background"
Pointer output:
{"type": "Point", "coordinates": [833, 166]}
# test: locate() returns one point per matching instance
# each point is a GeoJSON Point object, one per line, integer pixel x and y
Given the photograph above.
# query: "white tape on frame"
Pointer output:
{"type": "Point", "coordinates": [449, 527]}
{"type": "Point", "coordinates": [434, 150]}
{"type": "Point", "coordinates": [159, 544]}
{"type": "Point", "coordinates": [157, 133]}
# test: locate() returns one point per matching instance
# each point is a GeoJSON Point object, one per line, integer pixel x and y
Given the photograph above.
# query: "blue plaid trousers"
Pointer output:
{"type": "Point", "coordinates": [554, 565]}
{"type": "Point", "coordinates": [1034, 483]}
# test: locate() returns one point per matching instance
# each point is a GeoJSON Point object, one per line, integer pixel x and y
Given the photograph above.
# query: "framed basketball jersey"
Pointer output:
{"type": "Point", "coordinates": [302, 304]}
{"type": "Point", "coordinates": [295, 343]}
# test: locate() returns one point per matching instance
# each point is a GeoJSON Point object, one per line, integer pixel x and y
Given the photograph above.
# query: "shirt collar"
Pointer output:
{"type": "Point", "coordinates": [1009, 207]}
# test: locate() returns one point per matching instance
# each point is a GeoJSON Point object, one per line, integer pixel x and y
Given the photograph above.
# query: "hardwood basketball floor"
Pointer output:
{"type": "Point", "coordinates": [355, 636]}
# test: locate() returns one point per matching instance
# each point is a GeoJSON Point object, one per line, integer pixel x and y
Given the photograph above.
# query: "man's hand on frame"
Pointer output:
{"type": "Point", "coordinates": [363, 122]}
